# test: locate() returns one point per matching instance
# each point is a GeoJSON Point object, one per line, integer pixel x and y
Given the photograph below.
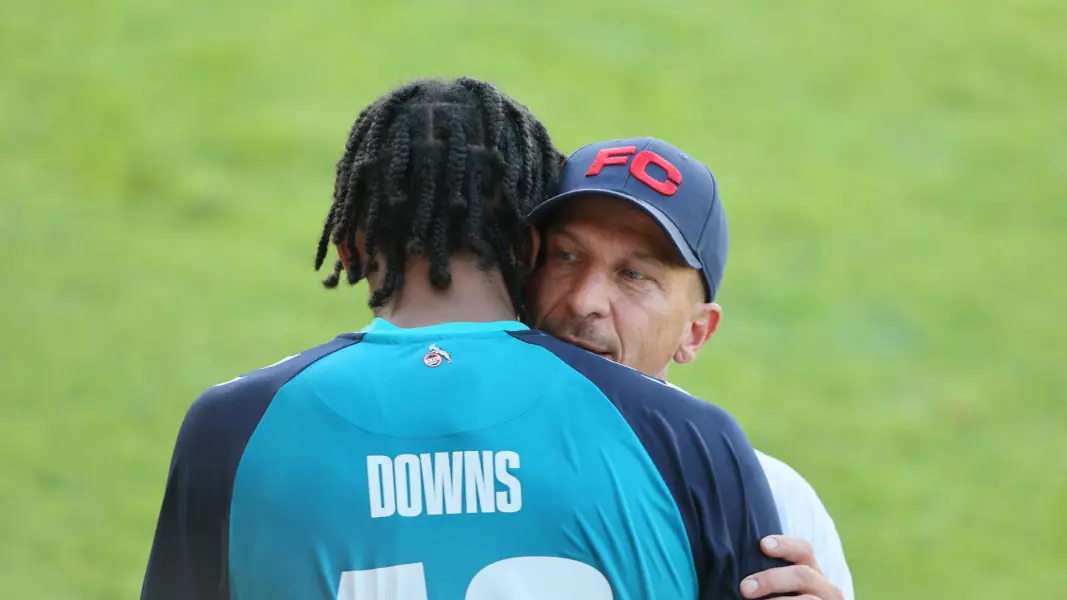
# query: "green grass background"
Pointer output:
{"type": "Point", "coordinates": [895, 174]}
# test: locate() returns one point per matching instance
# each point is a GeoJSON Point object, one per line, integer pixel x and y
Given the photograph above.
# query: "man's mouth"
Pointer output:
{"type": "Point", "coordinates": [587, 347]}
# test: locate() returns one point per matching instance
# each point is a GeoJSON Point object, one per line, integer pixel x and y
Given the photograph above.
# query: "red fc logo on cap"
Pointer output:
{"type": "Point", "coordinates": [638, 167]}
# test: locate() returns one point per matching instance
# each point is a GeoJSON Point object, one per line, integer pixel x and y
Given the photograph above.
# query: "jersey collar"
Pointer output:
{"type": "Point", "coordinates": [379, 325]}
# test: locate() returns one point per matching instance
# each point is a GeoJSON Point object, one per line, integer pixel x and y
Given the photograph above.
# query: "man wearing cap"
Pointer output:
{"type": "Point", "coordinates": [633, 249]}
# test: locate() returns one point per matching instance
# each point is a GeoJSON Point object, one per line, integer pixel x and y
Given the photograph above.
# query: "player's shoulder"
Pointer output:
{"type": "Point", "coordinates": [246, 396]}
{"type": "Point", "coordinates": [793, 493]}
{"type": "Point", "coordinates": [635, 394]}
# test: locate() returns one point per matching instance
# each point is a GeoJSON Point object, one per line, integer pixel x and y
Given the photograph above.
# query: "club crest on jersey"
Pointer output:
{"type": "Point", "coordinates": [436, 356]}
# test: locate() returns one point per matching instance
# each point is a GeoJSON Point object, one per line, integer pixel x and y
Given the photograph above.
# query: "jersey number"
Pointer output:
{"type": "Point", "coordinates": [522, 577]}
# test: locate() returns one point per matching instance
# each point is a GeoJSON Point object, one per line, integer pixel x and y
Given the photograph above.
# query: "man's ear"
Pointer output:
{"type": "Point", "coordinates": [531, 249]}
{"type": "Point", "coordinates": [701, 327]}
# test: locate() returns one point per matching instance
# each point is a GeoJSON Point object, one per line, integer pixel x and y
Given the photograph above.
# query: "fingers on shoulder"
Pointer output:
{"type": "Point", "coordinates": [784, 580]}
{"type": "Point", "coordinates": [793, 549]}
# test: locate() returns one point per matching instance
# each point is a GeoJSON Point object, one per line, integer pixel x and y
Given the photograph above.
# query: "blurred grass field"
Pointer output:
{"type": "Point", "coordinates": [895, 175]}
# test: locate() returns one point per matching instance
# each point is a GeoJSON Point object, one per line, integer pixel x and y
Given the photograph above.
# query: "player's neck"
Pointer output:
{"type": "Point", "coordinates": [475, 295]}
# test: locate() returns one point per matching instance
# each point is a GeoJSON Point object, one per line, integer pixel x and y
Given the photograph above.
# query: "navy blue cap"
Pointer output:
{"type": "Point", "coordinates": [676, 190]}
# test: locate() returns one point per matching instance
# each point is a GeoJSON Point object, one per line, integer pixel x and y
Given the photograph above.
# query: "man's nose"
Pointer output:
{"type": "Point", "coordinates": [591, 296]}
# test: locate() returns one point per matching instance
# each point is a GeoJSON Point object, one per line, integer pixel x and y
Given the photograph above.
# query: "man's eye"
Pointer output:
{"type": "Point", "coordinates": [565, 256]}
{"type": "Point", "coordinates": [632, 275]}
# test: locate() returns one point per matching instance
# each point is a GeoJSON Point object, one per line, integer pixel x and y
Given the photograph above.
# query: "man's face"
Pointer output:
{"type": "Point", "coordinates": [612, 283]}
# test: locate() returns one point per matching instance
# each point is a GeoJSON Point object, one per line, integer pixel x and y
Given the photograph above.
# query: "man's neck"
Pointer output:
{"type": "Point", "coordinates": [475, 295]}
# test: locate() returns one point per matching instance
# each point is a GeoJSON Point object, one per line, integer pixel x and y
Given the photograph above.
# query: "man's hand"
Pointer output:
{"type": "Point", "coordinates": [802, 578]}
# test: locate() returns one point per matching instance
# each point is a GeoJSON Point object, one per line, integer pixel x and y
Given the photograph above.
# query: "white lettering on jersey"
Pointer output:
{"type": "Point", "coordinates": [379, 480]}
{"type": "Point", "coordinates": [442, 482]}
{"type": "Point", "coordinates": [480, 482]}
{"type": "Point", "coordinates": [511, 500]}
{"type": "Point", "coordinates": [516, 577]}
{"type": "Point", "coordinates": [412, 485]}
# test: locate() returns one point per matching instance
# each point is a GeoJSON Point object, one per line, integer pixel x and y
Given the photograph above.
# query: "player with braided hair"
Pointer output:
{"type": "Point", "coordinates": [447, 451]}
{"type": "Point", "coordinates": [432, 170]}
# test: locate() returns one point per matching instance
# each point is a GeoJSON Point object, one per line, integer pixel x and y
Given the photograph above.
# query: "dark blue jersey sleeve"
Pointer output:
{"type": "Point", "coordinates": [704, 458]}
{"type": "Point", "coordinates": [188, 559]}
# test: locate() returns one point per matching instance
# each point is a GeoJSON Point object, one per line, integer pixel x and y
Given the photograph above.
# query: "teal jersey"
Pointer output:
{"type": "Point", "coordinates": [465, 461]}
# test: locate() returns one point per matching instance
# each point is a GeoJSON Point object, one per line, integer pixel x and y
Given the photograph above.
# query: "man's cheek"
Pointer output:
{"type": "Point", "coordinates": [539, 305]}
{"type": "Point", "coordinates": [549, 288]}
{"type": "Point", "coordinates": [536, 289]}
{"type": "Point", "coordinates": [552, 276]}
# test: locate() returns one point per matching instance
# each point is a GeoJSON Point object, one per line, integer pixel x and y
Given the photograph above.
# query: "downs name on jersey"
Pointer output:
{"type": "Point", "coordinates": [443, 483]}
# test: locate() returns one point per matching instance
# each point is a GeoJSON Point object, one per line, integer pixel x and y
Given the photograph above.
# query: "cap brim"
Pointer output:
{"type": "Point", "coordinates": [543, 210]}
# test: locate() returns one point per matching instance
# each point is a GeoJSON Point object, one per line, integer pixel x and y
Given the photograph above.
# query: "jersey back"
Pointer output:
{"type": "Point", "coordinates": [470, 462]}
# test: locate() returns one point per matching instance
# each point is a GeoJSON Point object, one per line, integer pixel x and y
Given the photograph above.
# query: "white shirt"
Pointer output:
{"type": "Point", "coordinates": [803, 515]}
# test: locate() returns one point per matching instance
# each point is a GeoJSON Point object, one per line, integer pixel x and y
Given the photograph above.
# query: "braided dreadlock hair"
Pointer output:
{"type": "Point", "coordinates": [436, 168]}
